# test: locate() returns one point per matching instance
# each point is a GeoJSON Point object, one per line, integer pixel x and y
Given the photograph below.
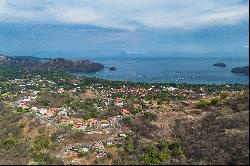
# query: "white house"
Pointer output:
{"type": "Point", "coordinates": [42, 111]}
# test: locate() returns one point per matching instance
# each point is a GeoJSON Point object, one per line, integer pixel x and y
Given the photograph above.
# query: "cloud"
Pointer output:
{"type": "Point", "coordinates": [129, 14]}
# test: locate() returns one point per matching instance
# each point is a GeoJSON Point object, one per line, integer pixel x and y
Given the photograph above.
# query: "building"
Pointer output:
{"type": "Point", "coordinates": [23, 106]}
{"type": "Point", "coordinates": [61, 90]}
{"type": "Point", "coordinates": [119, 102]}
{"type": "Point", "coordinates": [42, 111]}
{"type": "Point", "coordinates": [65, 120]}
{"type": "Point", "coordinates": [52, 111]}
{"type": "Point", "coordinates": [92, 122]}
{"type": "Point", "coordinates": [137, 106]}
{"type": "Point", "coordinates": [78, 123]}
{"type": "Point", "coordinates": [125, 111]}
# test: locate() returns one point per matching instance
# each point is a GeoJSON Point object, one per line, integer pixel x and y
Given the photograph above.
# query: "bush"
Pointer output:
{"type": "Point", "coordinates": [127, 120]}
{"type": "Point", "coordinates": [109, 155]}
{"type": "Point", "coordinates": [148, 114]}
{"type": "Point", "coordinates": [86, 116]}
{"type": "Point", "coordinates": [129, 144]}
{"type": "Point", "coordinates": [224, 95]}
{"type": "Point", "coordinates": [45, 159]}
{"type": "Point", "coordinates": [176, 149]}
{"type": "Point", "coordinates": [163, 144]}
{"type": "Point", "coordinates": [41, 142]}
{"type": "Point", "coordinates": [82, 153]}
{"type": "Point", "coordinates": [204, 103]}
{"type": "Point", "coordinates": [156, 154]}
{"type": "Point", "coordinates": [10, 141]}
{"type": "Point", "coordinates": [152, 155]}
{"type": "Point", "coordinates": [135, 110]}
{"type": "Point", "coordinates": [214, 101]}
{"type": "Point", "coordinates": [164, 156]}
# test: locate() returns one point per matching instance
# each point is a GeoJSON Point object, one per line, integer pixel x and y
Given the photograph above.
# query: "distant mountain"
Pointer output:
{"type": "Point", "coordinates": [244, 70]}
{"type": "Point", "coordinates": [33, 63]}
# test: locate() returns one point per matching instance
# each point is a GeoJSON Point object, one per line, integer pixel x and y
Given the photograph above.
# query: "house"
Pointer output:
{"type": "Point", "coordinates": [92, 122]}
{"type": "Point", "coordinates": [34, 108]}
{"type": "Point", "coordinates": [64, 113]}
{"type": "Point", "coordinates": [137, 106]}
{"type": "Point", "coordinates": [171, 89]}
{"type": "Point", "coordinates": [119, 102]}
{"type": "Point", "coordinates": [65, 120]}
{"type": "Point", "coordinates": [61, 90]}
{"type": "Point", "coordinates": [112, 119]}
{"type": "Point", "coordinates": [78, 123]}
{"type": "Point", "coordinates": [109, 143]}
{"type": "Point", "coordinates": [23, 106]}
{"type": "Point", "coordinates": [51, 111]}
{"type": "Point", "coordinates": [122, 135]}
{"type": "Point", "coordinates": [42, 111]}
{"type": "Point", "coordinates": [104, 123]}
{"type": "Point", "coordinates": [125, 111]}
{"type": "Point", "coordinates": [26, 99]}
{"type": "Point", "coordinates": [36, 93]}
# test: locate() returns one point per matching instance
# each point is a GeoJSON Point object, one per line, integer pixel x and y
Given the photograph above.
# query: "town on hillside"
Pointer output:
{"type": "Point", "coordinates": [113, 112]}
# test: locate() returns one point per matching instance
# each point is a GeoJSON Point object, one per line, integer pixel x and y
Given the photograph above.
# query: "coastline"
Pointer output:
{"type": "Point", "coordinates": [157, 83]}
{"type": "Point", "coordinates": [172, 70]}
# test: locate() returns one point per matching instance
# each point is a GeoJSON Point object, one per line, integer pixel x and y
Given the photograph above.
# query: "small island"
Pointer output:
{"type": "Point", "coordinates": [243, 70]}
{"type": "Point", "coordinates": [220, 64]}
{"type": "Point", "coordinates": [112, 68]}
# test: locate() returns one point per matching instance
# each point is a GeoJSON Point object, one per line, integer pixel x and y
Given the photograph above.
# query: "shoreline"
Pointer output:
{"type": "Point", "coordinates": [156, 83]}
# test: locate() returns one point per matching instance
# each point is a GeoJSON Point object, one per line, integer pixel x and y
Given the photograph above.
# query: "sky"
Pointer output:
{"type": "Point", "coordinates": [104, 27]}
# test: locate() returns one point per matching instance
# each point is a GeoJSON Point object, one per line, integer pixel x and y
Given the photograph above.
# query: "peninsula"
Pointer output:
{"type": "Point", "coordinates": [59, 64]}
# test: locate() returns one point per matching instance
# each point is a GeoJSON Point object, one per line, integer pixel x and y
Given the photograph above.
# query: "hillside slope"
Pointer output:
{"type": "Point", "coordinates": [219, 135]}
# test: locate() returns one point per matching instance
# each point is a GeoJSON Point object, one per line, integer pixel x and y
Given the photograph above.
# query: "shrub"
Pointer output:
{"type": "Point", "coordinates": [86, 116]}
{"type": "Point", "coordinates": [224, 95]}
{"type": "Point", "coordinates": [135, 110]}
{"type": "Point", "coordinates": [202, 104]}
{"type": "Point", "coordinates": [10, 141]}
{"type": "Point", "coordinates": [163, 144]}
{"type": "Point", "coordinates": [41, 142]}
{"type": "Point", "coordinates": [176, 149]}
{"type": "Point", "coordinates": [44, 159]}
{"type": "Point", "coordinates": [148, 114]}
{"type": "Point", "coordinates": [152, 155]}
{"type": "Point", "coordinates": [164, 156]}
{"type": "Point", "coordinates": [129, 144]}
{"type": "Point", "coordinates": [127, 120]}
{"type": "Point", "coordinates": [82, 153]}
{"type": "Point", "coordinates": [214, 101]}
{"type": "Point", "coordinates": [109, 155]}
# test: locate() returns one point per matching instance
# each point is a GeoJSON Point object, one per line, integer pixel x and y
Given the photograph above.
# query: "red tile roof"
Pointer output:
{"type": "Point", "coordinates": [125, 111]}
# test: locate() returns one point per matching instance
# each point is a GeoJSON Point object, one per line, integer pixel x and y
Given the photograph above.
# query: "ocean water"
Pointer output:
{"type": "Point", "coordinates": [191, 70]}
{"type": "Point", "coordinates": [144, 56]}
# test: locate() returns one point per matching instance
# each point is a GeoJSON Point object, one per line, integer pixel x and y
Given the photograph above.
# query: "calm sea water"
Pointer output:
{"type": "Point", "coordinates": [84, 42]}
{"type": "Point", "coordinates": [172, 70]}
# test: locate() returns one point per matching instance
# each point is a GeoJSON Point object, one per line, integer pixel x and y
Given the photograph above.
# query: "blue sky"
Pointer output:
{"type": "Point", "coordinates": [98, 27]}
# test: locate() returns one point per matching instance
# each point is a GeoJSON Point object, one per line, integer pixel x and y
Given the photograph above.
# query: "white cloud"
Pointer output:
{"type": "Point", "coordinates": [129, 14]}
